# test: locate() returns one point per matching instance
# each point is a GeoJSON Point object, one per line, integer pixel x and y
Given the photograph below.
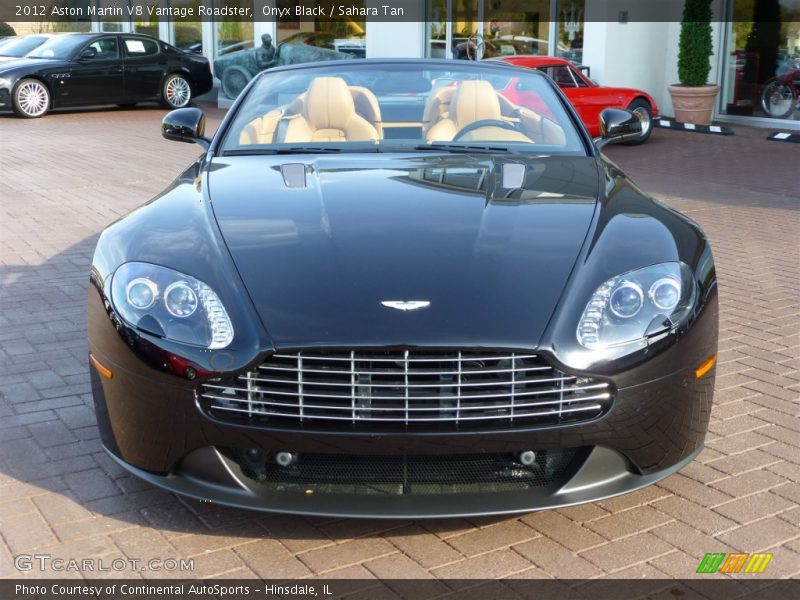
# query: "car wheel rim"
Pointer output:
{"type": "Point", "coordinates": [178, 91]}
{"type": "Point", "coordinates": [644, 117]}
{"type": "Point", "coordinates": [32, 99]}
{"type": "Point", "coordinates": [777, 99]}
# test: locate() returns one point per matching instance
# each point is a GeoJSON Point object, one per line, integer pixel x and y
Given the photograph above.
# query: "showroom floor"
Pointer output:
{"type": "Point", "coordinates": [66, 176]}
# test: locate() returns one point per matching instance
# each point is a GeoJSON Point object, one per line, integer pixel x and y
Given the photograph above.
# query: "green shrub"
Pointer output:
{"type": "Point", "coordinates": [6, 29]}
{"type": "Point", "coordinates": [695, 45]}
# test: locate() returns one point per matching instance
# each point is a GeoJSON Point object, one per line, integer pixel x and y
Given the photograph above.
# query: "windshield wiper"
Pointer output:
{"type": "Point", "coordinates": [297, 150]}
{"type": "Point", "coordinates": [462, 148]}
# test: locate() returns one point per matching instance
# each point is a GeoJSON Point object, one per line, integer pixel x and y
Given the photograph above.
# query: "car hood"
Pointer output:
{"type": "Point", "coordinates": [488, 242]}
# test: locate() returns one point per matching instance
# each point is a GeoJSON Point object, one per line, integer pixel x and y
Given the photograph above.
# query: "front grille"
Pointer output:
{"type": "Point", "coordinates": [408, 474]}
{"type": "Point", "coordinates": [406, 390]}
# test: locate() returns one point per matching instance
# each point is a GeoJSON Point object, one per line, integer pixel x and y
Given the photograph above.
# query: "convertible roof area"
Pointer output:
{"type": "Point", "coordinates": [330, 110]}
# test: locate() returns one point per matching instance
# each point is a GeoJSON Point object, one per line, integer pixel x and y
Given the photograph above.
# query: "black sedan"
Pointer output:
{"type": "Point", "coordinates": [387, 290]}
{"type": "Point", "coordinates": [101, 68]}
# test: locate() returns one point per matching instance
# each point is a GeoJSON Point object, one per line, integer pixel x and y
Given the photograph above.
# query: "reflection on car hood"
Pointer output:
{"type": "Point", "coordinates": [319, 260]}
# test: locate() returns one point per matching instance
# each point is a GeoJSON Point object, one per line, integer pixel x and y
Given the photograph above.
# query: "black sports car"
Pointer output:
{"type": "Point", "coordinates": [386, 290]}
{"type": "Point", "coordinates": [82, 69]}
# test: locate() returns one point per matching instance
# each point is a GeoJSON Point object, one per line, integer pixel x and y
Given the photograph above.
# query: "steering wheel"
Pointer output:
{"type": "Point", "coordinates": [486, 123]}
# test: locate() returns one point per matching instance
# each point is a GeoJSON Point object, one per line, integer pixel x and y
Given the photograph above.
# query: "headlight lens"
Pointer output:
{"type": "Point", "coordinates": [171, 305]}
{"type": "Point", "coordinates": [629, 307]}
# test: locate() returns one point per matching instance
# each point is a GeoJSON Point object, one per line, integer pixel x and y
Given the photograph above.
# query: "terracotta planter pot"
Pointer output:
{"type": "Point", "coordinates": [693, 104]}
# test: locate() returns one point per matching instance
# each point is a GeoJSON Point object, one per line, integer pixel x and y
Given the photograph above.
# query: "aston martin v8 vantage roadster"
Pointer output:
{"type": "Point", "coordinates": [386, 289]}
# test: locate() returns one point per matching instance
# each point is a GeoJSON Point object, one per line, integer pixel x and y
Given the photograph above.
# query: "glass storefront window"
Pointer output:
{"type": "Point", "coordinates": [188, 35]}
{"type": "Point", "coordinates": [149, 24]}
{"type": "Point", "coordinates": [436, 28]}
{"type": "Point", "coordinates": [762, 61]}
{"type": "Point", "coordinates": [479, 29]}
{"type": "Point", "coordinates": [570, 30]}
{"type": "Point", "coordinates": [522, 31]}
{"type": "Point", "coordinates": [232, 36]}
{"type": "Point", "coordinates": [341, 34]}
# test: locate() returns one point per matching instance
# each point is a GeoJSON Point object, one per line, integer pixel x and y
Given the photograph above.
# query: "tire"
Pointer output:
{"type": "Point", "coordinates": [176, 91]}
{"type": "Point", "coordinates": [234, 80]}
{"type": "Point", "coordinates": [778, 99]}
{"type": "Point", "coordinates": [642, 109]}
{"type": "Point", "coordinates": [31, 99]}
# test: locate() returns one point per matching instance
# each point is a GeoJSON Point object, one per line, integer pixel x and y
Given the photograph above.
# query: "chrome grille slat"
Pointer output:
{"type": "Point", "coordinates": [486, 383]}
{"type": "Point", "coordinates": [390, 372]}
{"type": "Point", "coordinates": [438, 419]}
{"type": "Point", "coordinates": [410, 409]}
{"type": "Point", "coordinates": [412, 360]}
{"type": "Point", "coordinates": [406, 390]}
{"type": "Point", "coordinates": [405, 396]}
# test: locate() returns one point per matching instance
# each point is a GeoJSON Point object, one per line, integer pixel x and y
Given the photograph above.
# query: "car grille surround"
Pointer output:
{"type": "Point", "coordinates": [405, 390]}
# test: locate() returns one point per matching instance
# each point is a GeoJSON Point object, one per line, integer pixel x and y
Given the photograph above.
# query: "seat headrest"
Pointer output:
{"type": "Point", "coordinates": [475, 101]}
{"type": "Point", "coordinates": [329, 103]}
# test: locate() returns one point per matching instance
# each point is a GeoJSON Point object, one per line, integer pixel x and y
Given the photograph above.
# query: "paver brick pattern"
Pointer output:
{"type": "Point", "coordinates": [68, 175]}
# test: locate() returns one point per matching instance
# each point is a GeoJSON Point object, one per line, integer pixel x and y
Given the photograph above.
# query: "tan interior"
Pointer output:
{"type": "Point", "coordinates": [331, 111]}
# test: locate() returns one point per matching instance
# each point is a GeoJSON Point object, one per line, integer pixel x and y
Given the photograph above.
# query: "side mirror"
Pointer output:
{"type": "Point", "coordinates": [185, 125]}
{"type": "Point", "coordinates": [618, 125]}
{"type": "Point", "coordinates": [88, 53]}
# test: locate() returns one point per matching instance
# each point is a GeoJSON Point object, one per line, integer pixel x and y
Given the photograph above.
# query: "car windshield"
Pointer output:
{"type": "Point", "coordinates": [59, 47]}
{"type": "Point", "coordinates": [415, 106]}
{"type": "Point", "coordinates": [19, 47]}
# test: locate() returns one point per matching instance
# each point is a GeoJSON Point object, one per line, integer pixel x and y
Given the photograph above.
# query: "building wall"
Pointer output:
{"type": "Point", "coordinates": [640, 54]}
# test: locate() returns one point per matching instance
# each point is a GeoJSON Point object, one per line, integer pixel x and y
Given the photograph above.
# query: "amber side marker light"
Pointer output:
{"type": "Point", "coordinates": [100, 368]}
{"type": "Point", "coordinates": [706, 366]}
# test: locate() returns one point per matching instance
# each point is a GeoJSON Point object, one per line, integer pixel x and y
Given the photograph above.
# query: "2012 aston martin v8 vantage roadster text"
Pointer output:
{"type": "Point", "coordinates": [385, 289]}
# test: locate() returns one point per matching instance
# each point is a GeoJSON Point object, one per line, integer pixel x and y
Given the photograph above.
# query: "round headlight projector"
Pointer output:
{"type": "Point", "coordinates": [627, 300]}
{"type": "Point", "coordinates": [180, 299]}
{"type": "Point", "coordinates": [141, 293]}
{"type": "Point", "coordinates": [665, 293]}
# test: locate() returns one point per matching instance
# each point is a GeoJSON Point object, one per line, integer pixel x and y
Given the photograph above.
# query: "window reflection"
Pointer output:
{"type": "Point", "coordinates": [341, 34]}
{"type": "Point", "coordinates": [762, 73]}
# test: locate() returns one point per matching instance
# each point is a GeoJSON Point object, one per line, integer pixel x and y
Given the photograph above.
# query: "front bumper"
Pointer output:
{"type": "Point", "coordinates": [208, 475]}
{"type": "Point", "coordinates": [151, 423]}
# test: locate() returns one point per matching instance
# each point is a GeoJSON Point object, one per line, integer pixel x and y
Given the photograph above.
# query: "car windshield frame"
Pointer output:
{"type": "Point", "coordinates": [252, 104]}
{"type": "Point", "coordinates": [71, 45]}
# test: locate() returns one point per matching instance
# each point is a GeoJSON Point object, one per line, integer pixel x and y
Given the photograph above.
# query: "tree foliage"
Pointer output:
{"type": "Point", "coordinates": [6, 29]}
{"type": "Point", "coordinates": [695, 46]}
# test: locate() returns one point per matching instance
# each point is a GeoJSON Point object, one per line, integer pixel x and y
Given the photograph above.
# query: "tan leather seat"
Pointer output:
{"type": "Point", "coordinates": [437, 107]}
{"type": "Point", "coordinates": [367, 106]}
{"type": "Point", "coordinates": [329, 115]}
{"type": "Point", "coordinates": [472, 101]}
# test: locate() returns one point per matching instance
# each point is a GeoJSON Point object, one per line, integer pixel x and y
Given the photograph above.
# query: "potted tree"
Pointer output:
{"type": "Point", "coordinates": [693, 98]}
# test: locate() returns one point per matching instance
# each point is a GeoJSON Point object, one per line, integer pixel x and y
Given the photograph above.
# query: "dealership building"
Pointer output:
{"type": "Point", "coordinates": [630, 43]}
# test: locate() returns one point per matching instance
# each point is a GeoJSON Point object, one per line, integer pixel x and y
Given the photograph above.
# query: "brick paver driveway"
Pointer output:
{"type": "Point", "coordinates": [64, 177]}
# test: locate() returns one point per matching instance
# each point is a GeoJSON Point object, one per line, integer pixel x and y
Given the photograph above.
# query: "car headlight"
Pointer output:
{"type": "Point", "coordinates": [171, 305]}
{"type": "Point", "coordinates": [636, 305]}
{"type": "Point", "coordinates": [4, 82]}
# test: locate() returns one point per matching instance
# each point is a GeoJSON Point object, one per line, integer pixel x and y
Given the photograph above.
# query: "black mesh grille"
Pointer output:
{"type": "Point", "coordinates": [400, 475]}
{"type": "Point", "coordinates": [406, 390]}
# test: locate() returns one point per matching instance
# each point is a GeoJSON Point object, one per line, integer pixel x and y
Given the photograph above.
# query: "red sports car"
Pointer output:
{"type": "Point", "coordinates": [588, 98]}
